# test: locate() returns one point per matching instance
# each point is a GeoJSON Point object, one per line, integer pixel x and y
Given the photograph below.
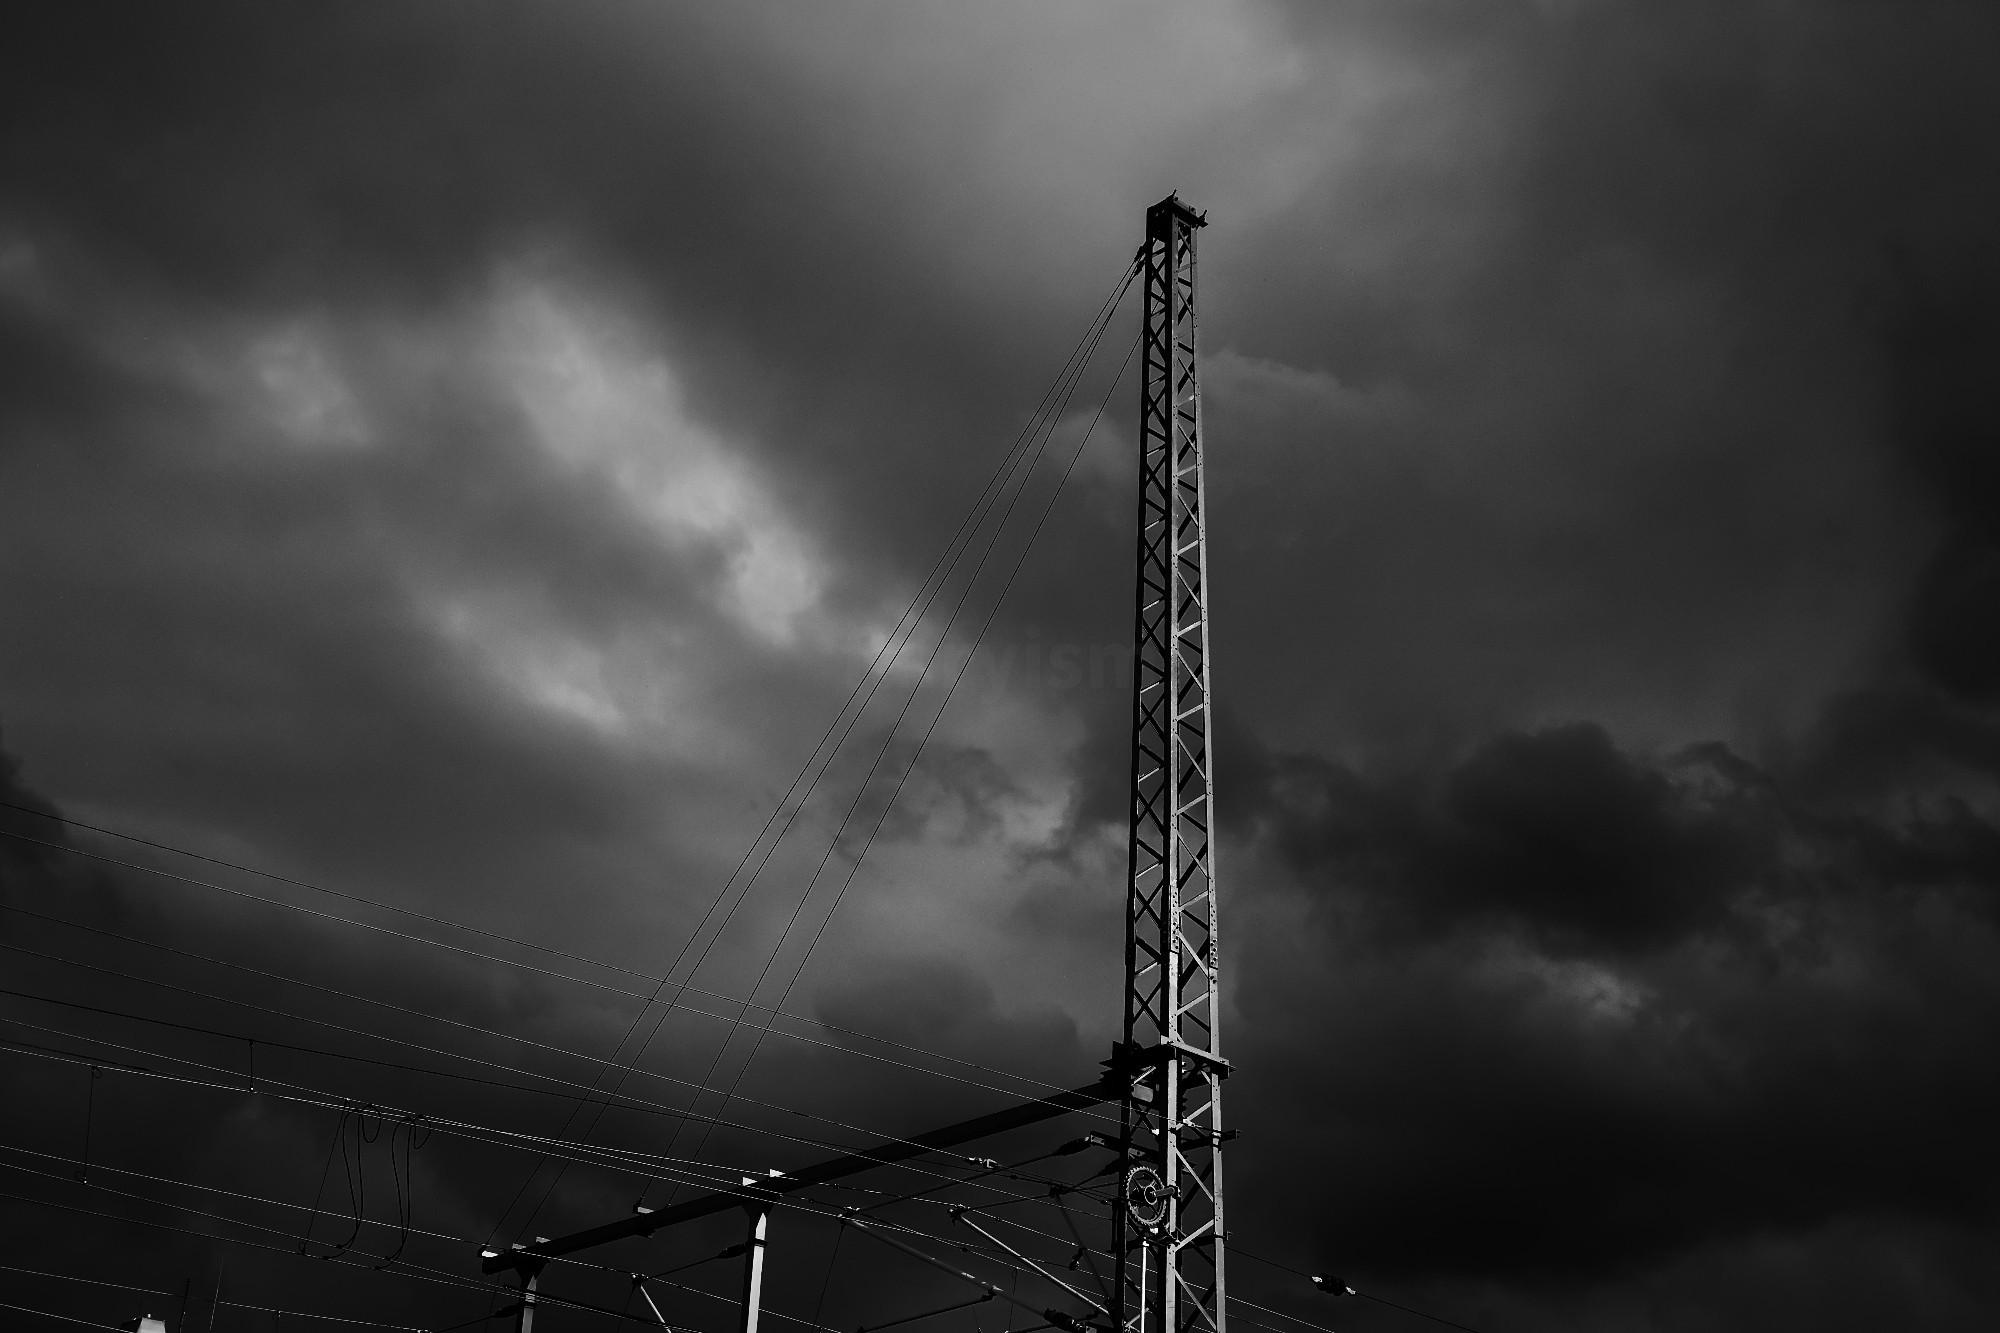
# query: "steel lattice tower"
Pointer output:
{"type": "Point", "coordinates": [1169, 1219]}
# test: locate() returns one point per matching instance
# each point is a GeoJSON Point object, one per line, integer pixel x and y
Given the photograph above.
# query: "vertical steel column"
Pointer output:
{"type": "Point", "coordinates": [531, 1282]}
{"type": "Point", "coordinates": [753, 1260]}
{"type": "Point", "coordinates": [1169, 1215]}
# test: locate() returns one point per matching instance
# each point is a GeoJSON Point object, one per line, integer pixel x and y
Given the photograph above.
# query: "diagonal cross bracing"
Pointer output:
{"type": "Point", "coordinates": [1170, 1274]}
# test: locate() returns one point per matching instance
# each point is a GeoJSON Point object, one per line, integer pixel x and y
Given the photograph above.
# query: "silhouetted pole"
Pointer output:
{"type": "Point", "coordinates": [759, 1214]}
{"type": "Point", "coordinates": [531, 1283]}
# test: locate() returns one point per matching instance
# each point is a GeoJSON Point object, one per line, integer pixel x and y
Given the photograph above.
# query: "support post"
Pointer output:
{"type": "Point", "coordinates": [1169, 1212]}
{"type": "Point", "coordinates": [531, 1282]}
{"type": "Point", "coordinates": [759, 1214]}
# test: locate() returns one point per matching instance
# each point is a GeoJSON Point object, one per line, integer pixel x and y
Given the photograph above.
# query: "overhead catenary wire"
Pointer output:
{"type": "Point", "coordinates": [651, 1164]}
{"type": "Point", "coordinates": [1047, 412]}
{"type": "Point", "coordinates": [454, 1126]}
{"type": "Point", "coordinates": [449, 1126]}
{"type": "Point", "coordinates": [364, 999]}
{"type": "Point", "coordinates": [360, 1255]}
{"type": "Point", "coordinates": [1235, 1300]}
{"type": "Point", "coordinates": [403, 1269]}
{"type": "Point", "coordinates": [882, 818]}
{"type": "Point", "coordinates": [317, 888]}
{"type": "Point", "coordinates": [50, 1314]}
{"type": "Point", "coordinates": [943, 635]}
{"type": "Point", "coordinates": [238, 1305]}
{"type": "Point", "coordinates": [626, 1103]}
{"type": "Point", "coordinates": [455, 1055]}
{"type": "Point", "coordinates": [385, 1004]}
{"type": "Point", "coordinates": [684, 1170]}
{"type": "Point", "coordinates": [968, 528]}
{"type": "Point", "coordinates": [200, 1188]}
{"type": "Point", "coordinates": [872, 1229]}
{"type": "Point", "coordinates": [625, 1159]}
{"type": "Point", "coordinates": [458, 1128]}
{"type": "Point", "coordinates": [542, 971]}
{"type": "Point", "coordinates": [305, 1094]}
{"type": "Point", "coordinates": [1273, 1328]}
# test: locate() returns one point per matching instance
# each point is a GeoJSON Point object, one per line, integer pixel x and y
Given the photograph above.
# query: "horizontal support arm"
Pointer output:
{"type": "Point", "coordinates": [764, 1192]}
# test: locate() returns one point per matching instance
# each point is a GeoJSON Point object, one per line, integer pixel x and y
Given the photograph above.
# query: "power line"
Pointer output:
{"type": "Point", "coordinates": [67, 1319]}
{"type": "Point", "coordinates": [605, 1157]}
{"type": "Point", "coordinates": [924, 740]}
{"type": "Point", "coordinates": [1059, 393]}
{"type": "Point", "coordinates": [364, 999]}
{"type": "Point", "coordinates": [1238, 1300]}
{"type": "Point", "coordinates": [993, 611]}
{"type": "Point", "coordinates": [627, 1103]}
{"type": "Point", "coordinates": [316, 888]}
{"type": "Point", "coordinates": [330, 1101]}
{"type": "Point", "coordinates": [240, 1305]}
{"type": "Point", "coordinates": [465, 1129]}
{"type": "Point", "coordinates": [200, 1188]}
{"type": "Point", "coordinates": [1273, 1328]}
{"type": "Point", "coordinates": [1079, 359]}
{"type": "Point", "coordinates": [453, 1055]}
{"type": "Point", "coordinates": [684, 989]}
{"type": "Point", "coordinates": [322, 1099]}
{"type": "Point", "coordinates": [402, 1009]}
{"type": "Point", "coordinates": [657, 1164]}
{"type": "Point", "coordinates": [622, 1159]}
{"type": "Point", "coordinates": [387, 1263]}
{"type": "Point", "coordinates": [301, 907]}
{"type": "Point", "coordinates": [404, 1268]}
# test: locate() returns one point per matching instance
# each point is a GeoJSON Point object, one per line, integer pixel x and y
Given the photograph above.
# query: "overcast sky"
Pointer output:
{"type": "Point", "coordinates": [463, 455]}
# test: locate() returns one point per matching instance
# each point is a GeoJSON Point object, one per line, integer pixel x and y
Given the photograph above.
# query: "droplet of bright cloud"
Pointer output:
{"type": "Point", "coordinates": [602, 402]}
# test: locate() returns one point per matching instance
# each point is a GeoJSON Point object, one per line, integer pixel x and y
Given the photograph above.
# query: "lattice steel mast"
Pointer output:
{"type": "Point", "coordinates": [1167, 1072]}
{"type": "Point", "coordinates": [1170, 1218]}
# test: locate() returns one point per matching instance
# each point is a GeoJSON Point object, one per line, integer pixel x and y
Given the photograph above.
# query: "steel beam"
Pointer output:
{"type": "Point", "coordinates": [763, 1192]}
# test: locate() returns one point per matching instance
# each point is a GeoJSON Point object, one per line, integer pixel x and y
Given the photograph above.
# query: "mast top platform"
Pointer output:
{"type": "Point", "coordinates": [1173, 207]}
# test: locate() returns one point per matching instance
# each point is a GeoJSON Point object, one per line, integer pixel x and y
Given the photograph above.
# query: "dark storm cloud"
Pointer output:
{"type": "Point", "coordinates": [1579, 1009]}
{"type": "Point", "coordinates": [1598, 993]}
{"type": "Point", "coordinates": [248, 156]}
{"type": "Point", "coordinates": [1600, 403]}
{"type": "Point", "coordinates": [1646, 443]}
{"type": "Point", "coordinates": [1554, 831]}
